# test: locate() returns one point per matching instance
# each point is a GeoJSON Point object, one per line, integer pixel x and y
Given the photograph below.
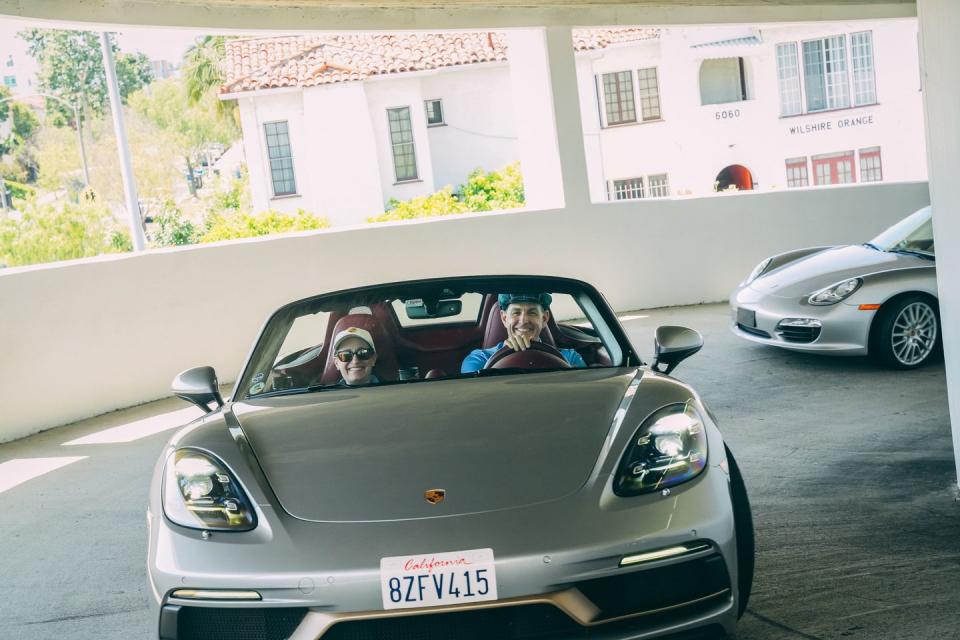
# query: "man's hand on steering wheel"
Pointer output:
{"type": "Point", "coordinates": [517, 342]}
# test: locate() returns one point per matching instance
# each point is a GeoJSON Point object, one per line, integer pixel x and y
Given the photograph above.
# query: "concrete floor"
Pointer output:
{"type": "Point", "coordinates": [849, 467]}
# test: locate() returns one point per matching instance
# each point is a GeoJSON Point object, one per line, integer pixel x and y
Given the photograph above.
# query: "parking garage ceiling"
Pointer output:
{"type": "Point", "coordinates": [422, 14]}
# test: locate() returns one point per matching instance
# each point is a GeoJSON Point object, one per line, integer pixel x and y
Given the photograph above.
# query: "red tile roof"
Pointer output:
{"type": "Point", "coordinates": [309, 61]}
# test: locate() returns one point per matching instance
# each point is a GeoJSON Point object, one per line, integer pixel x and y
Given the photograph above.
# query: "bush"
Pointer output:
{"type": "Point", "coordinates": [172, 228]}
{"type": "Point", "coordinates": [483, 191]}
{"type": "Point", "coordinates": [495, 190]}
{"type": "Point", "coordinates": [57, 231]}
{"type": "Point", "coordinates": [441, 203]}
{"type": "Point", "coordinates": [18, 190]}
{"type": "Point", "coordinates": [232, 224]}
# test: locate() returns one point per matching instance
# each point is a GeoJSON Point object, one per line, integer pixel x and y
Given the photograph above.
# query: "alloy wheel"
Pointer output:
{"type": "Point", "coordinates": [914, 333]}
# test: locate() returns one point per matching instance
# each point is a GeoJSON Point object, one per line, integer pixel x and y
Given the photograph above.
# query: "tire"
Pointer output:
{"type": "Point", "coordinates": [906, 333]}
{"type": "Point", "coordinates": [743, 525]}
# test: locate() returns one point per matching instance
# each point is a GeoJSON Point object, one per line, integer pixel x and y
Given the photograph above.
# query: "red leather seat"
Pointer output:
{"type": "Point", "coordinates": [387, 365]}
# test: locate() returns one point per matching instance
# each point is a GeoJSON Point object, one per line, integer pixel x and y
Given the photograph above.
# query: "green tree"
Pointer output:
{"type": "Point", "coordinates": [18, 125]}
{"type": "Point", "coordinates": [204, 71]}
{"type": "Point", "coordinates": [58, 231]}
{"type": "Point", "coordinates": [190, 126]}
{"type": "Point", "coordinates": [71, 66]}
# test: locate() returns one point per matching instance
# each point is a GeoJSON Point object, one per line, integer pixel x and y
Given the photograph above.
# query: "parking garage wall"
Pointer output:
{"type": "Point", "coordinates": [85, 337]}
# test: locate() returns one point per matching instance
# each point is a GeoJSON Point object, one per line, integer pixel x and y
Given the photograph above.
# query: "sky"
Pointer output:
{"type": "Point", "coordinates": [158, 44]}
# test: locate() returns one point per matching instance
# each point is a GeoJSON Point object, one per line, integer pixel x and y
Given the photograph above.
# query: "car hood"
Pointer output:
{"type": "Point", "coordinates": [490, 443]}
{"type": "Point", "coordinates": [824, 268]}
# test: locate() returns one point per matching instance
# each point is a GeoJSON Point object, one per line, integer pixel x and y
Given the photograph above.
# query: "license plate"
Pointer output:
{"type": "Point", "coordinates": [436, 579]}
{"type": "Point", "coordinates": [747, 317]}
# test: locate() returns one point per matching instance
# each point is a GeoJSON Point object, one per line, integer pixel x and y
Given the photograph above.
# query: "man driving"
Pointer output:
{"type": "Point", "coordinates": [524, 315]}
{"type": "Point", "coordinates": [354, 356]}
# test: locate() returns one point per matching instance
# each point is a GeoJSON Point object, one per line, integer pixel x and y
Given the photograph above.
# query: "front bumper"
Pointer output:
{"type": "Point", "coordinates": [636, 604]}
{"type": "Point", "coordinates": [558, 569]}
{"type": "Point", "coordinates": [845, 330]}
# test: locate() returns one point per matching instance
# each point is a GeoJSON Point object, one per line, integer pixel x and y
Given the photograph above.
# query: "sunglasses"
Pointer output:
{"type": "Point", "coordinates": [362, 354]}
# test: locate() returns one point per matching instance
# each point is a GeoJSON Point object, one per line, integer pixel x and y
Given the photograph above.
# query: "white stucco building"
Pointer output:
{"type": "Point", "coordinates": [772, 107]}
{"type": "Point", "coordinates": [339, 125]}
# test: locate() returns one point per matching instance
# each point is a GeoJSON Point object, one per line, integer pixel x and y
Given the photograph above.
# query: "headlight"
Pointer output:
{"type": "Point", "coordinates": [757, 271]}
{"type": "Point", "coordinates": [199, 492]}
{"type": "Point", "coordinates": [835, 292]}
{"type": "Point", "coordinates": [669, 448]}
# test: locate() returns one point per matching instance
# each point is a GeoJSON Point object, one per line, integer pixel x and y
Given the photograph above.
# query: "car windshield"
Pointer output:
{"type": "Point", "coordinates": [913, 234]}
{"type": "Point", "coordinates": [433, 330]}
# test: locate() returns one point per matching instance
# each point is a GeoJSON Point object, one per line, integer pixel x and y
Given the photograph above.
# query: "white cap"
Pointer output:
{"type": "Point", "coordinates": [353, 332]}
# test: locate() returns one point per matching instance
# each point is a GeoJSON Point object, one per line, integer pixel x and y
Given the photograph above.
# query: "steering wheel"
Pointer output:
{"type": "Point", "coordinates": [538, 356]}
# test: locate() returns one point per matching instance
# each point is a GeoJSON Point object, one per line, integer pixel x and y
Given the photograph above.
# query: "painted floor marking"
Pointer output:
{"type": "Point", "coordinates": [140, 428]}
{"type": "Point", "coordinates": [19, 470]}
{"type": "Point", "coordinates": [628, 317]}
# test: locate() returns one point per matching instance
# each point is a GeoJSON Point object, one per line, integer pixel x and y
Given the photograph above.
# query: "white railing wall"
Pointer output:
{"type": "Point", "coordinates": [85, 337]}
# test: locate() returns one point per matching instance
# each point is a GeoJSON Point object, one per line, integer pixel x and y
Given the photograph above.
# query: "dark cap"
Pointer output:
{"type": "Point", "coordinates": [506, 299]}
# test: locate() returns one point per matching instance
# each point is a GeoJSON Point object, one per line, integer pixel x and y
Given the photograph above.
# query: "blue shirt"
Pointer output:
{"type": "Point", "coordinates": [478, 357]}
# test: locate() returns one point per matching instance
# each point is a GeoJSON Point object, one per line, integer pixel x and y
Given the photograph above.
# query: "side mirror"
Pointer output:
{"type": "Point", "coordinates": [672, 345]}
{"type": "Point", "coordinates": [199, 386]}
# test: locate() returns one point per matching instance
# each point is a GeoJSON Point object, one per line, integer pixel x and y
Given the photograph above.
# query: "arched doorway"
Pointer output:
{"type": "Point", "coordinates": [736, 175]}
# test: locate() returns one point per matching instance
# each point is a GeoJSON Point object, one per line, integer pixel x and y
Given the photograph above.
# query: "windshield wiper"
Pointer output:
{"type": "Point", "coordinates": [870, 245]}
{"type": "Point", "coordinates": [911, 252]}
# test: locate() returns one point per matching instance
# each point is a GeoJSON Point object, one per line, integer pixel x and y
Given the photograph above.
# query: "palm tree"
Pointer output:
{"type": "Point", "coordinates": [204, 66]}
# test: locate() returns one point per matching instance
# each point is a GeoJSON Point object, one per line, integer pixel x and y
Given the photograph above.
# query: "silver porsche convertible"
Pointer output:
{"type": "Point", "coordinates": [877, 298]}
{"type": "Point", "coordinates": [465, 458]}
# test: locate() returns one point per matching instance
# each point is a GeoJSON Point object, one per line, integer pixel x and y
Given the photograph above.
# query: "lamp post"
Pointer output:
{"type": "Point", "coordinates": [76, 118]}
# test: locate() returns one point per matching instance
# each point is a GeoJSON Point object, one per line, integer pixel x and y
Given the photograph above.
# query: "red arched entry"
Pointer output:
{"type": "Point", "coordinates": [737, 175]}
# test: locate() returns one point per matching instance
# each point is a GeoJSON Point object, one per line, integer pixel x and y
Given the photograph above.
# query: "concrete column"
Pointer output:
{"type": "Point", "coordinates": [547, 111]}
{"type": "Point", "coordinates": [940, 49]}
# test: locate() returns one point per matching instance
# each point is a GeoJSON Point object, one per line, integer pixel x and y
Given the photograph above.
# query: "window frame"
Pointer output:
{"type": "Point", "coordinates": [443, 121]}
{"type": "Point", "coordinates": [640, 97]}
{"type": "Point", "coordinates": [289, 156]}
{"type": "Point", "coordinates": [848, 73]}
{"type": "Point", "coordinates": [795, 164]}
{"type": "Point", "coordinates": [638, 185]}
{"type": "Point", "coordinates": [619, 102]}
{"type": "Point", "coordinates": [833, 160]}
{"type": "Point", "coordinates": [394, 145]}
{"type": "Point", "coordinates": [868, 153]}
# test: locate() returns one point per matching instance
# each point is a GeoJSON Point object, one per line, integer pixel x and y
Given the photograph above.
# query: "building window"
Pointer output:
{"type": "Point", "coordinates": [864, 81]}
{"type": "Point", "coordinates": [870, 168]}
{"type": "Point", "coordinates": [722, 80]}
{"type": "Point", "coordinates": [631, 189]}
{"type": "Point", "coordinates": [797, 172]}
{"type": "Point", "coordinates": [649, 93]}
{"type": "Point", "coordinates": [9, 60]}
{"type": "Point", "coordinates": [659, 186]}
{"type": "Point", "coordinates": [833, 168]}
{"type": "Point", "coordinates": [788, 74]}
{"type": "Point", "coordinates": [618, 97]}
{"type": "Point", "coordinates": [10, 81]}
{"type": "Point", "coordinates": [434, 110]}
{"type": "Point", "coordinates": [826, 77]}
{"type": "Point", "coordinates": [825, 74]}
{"type": "Point", "coordinates": [401, 139]}
{"type": "Point", "coordinates": [281, 158]}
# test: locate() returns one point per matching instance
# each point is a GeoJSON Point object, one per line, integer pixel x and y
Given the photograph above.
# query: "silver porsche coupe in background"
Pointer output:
{"type": "Point", "coordinates": [877, 298]}
{"type": "Point", "coordinates": [389, 467]}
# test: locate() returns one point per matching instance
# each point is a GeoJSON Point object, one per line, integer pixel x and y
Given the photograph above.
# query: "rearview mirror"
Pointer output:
{"type": "Point", "coordinates": [199, 386]}
{"type": "Point", "coordinates": [672, 345]}
{"type": "Point", "coordinates": [420, 309]}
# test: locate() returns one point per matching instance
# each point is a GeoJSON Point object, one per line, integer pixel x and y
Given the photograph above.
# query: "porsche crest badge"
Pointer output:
{"type": "Point", "coordinates": [434, 496]}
